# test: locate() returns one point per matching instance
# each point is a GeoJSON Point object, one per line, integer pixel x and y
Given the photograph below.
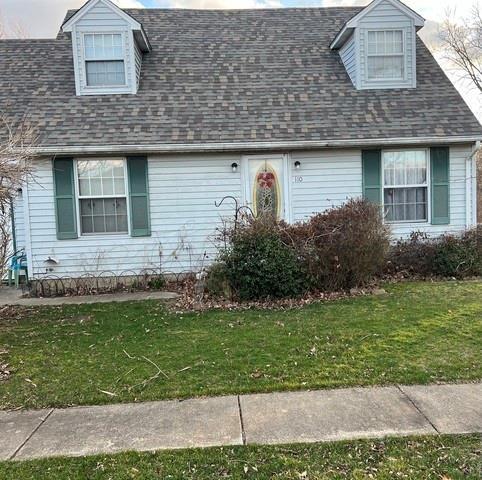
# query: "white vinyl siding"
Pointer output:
{"type": "Point", "coordinates": [328, 178]}
{"type": "Point", "coordinates": [182, 192]}
{"type": "Point", "coordinates": [348, 57]}
{"type": "Point", "coordinates": [184, 219]}
{"type": "Point", "coordinates": [101, 15]}
{"type": "Point", "coordinates": [138, 59]}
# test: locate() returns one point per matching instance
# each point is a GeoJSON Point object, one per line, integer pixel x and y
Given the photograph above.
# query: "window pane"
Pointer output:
{"type": "Point", "coordinates": [108, 186]}
{"type": "Point", "coordinates": [121, 206]}
{"type": "Point", "coordinates": [84, 186]}
{"type": "Point", "coordinates": [101, 177]}
{"type": "Point", "coordinates": [103, 215]}
{"type": "Point", "coordinates": [95, 186]}
{"type": "Point", "coordinates": [385, 67]}
{"type": "Point", "coordinates": [405, 204]}
{"type": "Point", "coordinates": [85, 207]}
{"type": "Point", "coordinates": [99, 224]}
{"type": "Point", "coordinates": [101, 46]}
{"type": "Point", "coordinates": [122, 223]}
{"type": "Point", "coordinates": [98, 207]}
{"type": "Point", "coordinates": [110, 224]}
{"type": "Point", "coordinates": [106, 73]}
{"type": "Point", "coordinates": [119, 186]}
{"type": "Point", "coordinates": [110, 206]}
{"type": "Point", "coordinates": [405, 167]}
{"type": "Point", "coordinates": [87, 225]}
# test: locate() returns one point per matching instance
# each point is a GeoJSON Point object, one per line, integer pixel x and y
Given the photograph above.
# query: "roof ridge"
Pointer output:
{"type": "Point", "coordinates": [266, 9]}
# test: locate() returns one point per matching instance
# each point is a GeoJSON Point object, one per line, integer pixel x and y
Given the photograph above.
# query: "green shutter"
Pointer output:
{"type": "Point", "coordinates": [372, 175]}
{"type": "Point", "coordinates": [63, 172]}
{"type": "Point", "coordinates": [139, 196]}
{"type": "Point", "coordinates": [440, 166]}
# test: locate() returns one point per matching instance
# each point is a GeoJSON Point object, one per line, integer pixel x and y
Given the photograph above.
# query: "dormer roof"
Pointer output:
{"type": "Point", "coordinates": [349, 27]}
{"type": "Point", "coordinates": [137, 28]}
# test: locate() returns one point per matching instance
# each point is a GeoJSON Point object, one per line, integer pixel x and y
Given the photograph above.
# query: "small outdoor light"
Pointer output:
{"type": "Point", "coordinates": [297, 165]}
{"type": "Point", "coordinates": [51, 261]}
{"type": "Point", "coordinates": [234, 167]}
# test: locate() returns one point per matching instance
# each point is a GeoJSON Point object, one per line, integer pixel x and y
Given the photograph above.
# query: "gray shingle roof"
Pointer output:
{"type": "Point", "coordinates": [228, 76]}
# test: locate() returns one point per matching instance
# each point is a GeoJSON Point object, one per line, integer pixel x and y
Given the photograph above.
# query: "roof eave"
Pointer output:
{"type": "Point", "coordinates": [345, 33]}
{"type": "Point", "coordinates": [251, 146]}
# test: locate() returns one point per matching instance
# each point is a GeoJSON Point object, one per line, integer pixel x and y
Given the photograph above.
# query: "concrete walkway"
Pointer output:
{"type": "Point", "coordinates": [308, 416]}
{"type": "Point", "coordinates": [12, 296]}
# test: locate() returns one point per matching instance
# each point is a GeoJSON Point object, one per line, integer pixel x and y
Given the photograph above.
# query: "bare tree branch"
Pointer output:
{"type": "Point", "coordinates": [17, 143]}
{"type": "Point", "coordinates": [462, 40]}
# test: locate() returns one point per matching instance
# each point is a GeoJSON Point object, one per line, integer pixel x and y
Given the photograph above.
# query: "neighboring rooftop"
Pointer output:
{"type": "Point", "coordinates": [228, 76]}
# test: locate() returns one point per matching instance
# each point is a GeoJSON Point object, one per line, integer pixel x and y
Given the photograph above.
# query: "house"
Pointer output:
{"type": "Point", "coordinates": [147, 117]}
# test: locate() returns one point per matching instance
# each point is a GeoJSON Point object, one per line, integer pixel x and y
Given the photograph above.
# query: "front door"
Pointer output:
{"type": "Point", "coordinates": [265, 185]}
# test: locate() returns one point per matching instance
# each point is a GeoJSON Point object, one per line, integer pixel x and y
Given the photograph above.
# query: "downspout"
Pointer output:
{"type": "Point", "coordinates": [471, 187]}
{"type": "Point", "coordinates": [12, 223]}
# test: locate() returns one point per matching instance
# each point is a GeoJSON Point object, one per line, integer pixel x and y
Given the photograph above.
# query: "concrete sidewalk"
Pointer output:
{"type": "Point", "coordinates": [307, 416]}
{"type": "Point", "coordinates": [12, 296]}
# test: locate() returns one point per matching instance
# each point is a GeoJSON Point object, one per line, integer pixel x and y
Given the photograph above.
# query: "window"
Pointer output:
{"type": "Point", "coordinates": [386, 58]}
{"type": "Point", "coordinates": [104, 59]}
{"type": "Point", "coordinates": [102, 196]}
{"type": "Point", "coordinates": [405, 191]}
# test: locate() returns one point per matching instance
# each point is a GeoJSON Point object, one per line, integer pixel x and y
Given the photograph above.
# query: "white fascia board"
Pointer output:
{"type": "Point", "coordinates": [342, 37]}
{"type": "Point", "coordinates": [67, 26]}
{"type": "Point", "coordinates": [250, 146]}
{"type": "Point", "coordinates": [418, 20]}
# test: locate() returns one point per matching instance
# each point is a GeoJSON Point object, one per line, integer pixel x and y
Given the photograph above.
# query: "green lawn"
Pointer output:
{"type": "Point", "coordinates": [417, 333]}
{"type": "Point", "coordinates": [422, 458]}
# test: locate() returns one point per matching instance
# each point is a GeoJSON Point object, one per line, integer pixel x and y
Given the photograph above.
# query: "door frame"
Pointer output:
{"type": "Point", "coordinates": [285, 184]}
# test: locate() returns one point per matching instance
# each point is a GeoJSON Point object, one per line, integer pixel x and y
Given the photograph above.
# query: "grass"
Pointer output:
{"type": "Point", "coordinates": [416, 334]}
{"type": "Point", "coordinates": [417, 458]}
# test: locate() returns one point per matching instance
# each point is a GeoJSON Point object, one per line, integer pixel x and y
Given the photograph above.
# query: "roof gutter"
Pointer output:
{"type": "Point", "coordinates": [247, 146]}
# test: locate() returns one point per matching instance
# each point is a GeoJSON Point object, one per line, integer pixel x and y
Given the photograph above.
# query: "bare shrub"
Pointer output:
{"type": "Point", "coordinates": [342, 248]}
{"type": "Point", "coordinates": [16, 154]}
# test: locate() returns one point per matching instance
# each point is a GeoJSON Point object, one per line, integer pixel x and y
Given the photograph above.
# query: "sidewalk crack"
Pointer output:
{"type": "Point", "coordinates": [405, 394]}
{"type": "Point", "coordinates": [34, 431]}
{"type": "Point", "coordinates": [243, 433]}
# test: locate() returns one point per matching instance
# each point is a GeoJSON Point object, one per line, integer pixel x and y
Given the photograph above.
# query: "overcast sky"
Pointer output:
{"type": "Point", "coordinates": [42, 18]}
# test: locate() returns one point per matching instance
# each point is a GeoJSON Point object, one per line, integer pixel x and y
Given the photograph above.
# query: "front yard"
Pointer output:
{"type": "Point", "coordinates": [422, 458]}
{"type": "Point", "coordinates": [109, 353]}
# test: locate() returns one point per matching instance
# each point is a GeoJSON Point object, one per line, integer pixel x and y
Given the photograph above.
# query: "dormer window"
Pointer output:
{"type": "Point", "coordinates": [385, 55]}
{"type": "Point", "coordinates": [378, 46]}
{"type": "Point", "coordinates": [104, 60]}
{"type": "Point", "coordinates": [108, 47]}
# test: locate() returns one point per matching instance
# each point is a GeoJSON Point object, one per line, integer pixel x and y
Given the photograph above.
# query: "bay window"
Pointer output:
{"type": "Point", "coordinates": [102, 196]}
{"type": "Point", "coordinates": [405, 185]}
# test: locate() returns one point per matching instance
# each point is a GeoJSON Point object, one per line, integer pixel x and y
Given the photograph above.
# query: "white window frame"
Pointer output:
{"type": "Point", "coordinates": [93, 88]}
{"type": "Point", "coordinates": [427, 186]}
{"type": "Point", "coordinates": [79, 197]}
{"type": "Point", "coordinates": [403, 55]}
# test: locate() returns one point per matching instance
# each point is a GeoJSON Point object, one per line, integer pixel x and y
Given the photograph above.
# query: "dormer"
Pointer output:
{"type": "Point", "coordinates": [378, 46]}
{"type": "Point", "coordinates": [108, 45]}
